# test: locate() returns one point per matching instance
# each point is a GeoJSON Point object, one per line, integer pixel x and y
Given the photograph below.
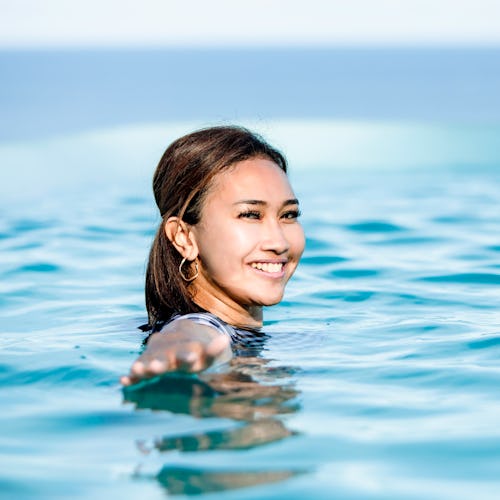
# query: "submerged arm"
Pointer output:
{"type": "Point", "coordinates": [182, 345]}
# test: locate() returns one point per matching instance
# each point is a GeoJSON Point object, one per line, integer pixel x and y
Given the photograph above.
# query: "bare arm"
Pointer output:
{"type": "Point", "coordinates": [182, 345]}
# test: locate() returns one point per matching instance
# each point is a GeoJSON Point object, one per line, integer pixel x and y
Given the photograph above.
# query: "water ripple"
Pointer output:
{"type": "Point", "coordinates": [320, 260]}
{"type": "Point", "coordinates": [466, 278]}
{"type": "Point", "coordinates": [354, 273]}
{"type": "Point", "coordinates": [38, 267]}
{"type": "Point", "coordinates": [374, 227]}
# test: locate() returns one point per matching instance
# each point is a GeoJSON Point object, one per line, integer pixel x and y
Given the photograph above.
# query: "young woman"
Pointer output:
{"type": "Point", "coordinates": [228, 243]}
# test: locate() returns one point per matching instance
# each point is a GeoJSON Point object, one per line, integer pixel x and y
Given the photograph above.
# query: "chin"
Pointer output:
{"type": "Point", "coordinates": [271, 301]}
{"type": "Point", "coordinates": [268, 298]}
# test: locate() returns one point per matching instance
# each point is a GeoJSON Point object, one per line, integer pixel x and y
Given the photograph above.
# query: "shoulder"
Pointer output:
{"type": "Point", "coordinates": [244, 342]}
{"type": "Point", "coordinates": [238, 336]}
{"type": "Point", "coordinates": [207, 319]}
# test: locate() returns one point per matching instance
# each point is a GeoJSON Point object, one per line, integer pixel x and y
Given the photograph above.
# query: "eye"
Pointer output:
{"type": "Point", "coordinates": [250, 214]}
{"type": "Point", "coordinates": [291, 214]}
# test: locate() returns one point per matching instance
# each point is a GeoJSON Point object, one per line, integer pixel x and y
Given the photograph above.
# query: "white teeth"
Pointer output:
{"type": "Point", "coordinates": [268, 267]}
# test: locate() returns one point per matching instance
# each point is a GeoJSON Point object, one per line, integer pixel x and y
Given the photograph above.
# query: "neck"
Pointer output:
{"type": "Point", "coordinates": [232, 313]}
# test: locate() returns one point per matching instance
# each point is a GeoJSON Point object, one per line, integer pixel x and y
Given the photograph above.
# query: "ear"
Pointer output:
{"type": "Point", "coordinates": [181, 236]}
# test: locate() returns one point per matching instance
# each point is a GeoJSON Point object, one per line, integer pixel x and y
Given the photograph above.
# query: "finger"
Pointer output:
{"type": "Point", "coordinates": [188, 358]}
{"type": "Point", "coordinates": [136, 374]}
{"type": "Point", "coordinates": [217, 346]}
{"type": "Point", "coordinates": [129, 379]}
{"type": "Point", "coordinates": [156, 366]}
{"type": "Point", "coordinates": [138, 369]}
{"type": "Point", "coordinates": [218, 350]}
{"type": "Point", "coordinates": [143, 368]}
{"type": "Point", "coordinates": [201, 357]}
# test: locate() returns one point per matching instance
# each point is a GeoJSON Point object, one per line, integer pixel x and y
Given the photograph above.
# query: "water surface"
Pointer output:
{"type": "Point", "coordinates": [380, 378]}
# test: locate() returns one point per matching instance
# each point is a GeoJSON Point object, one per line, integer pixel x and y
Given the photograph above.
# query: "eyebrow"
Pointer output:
{"type": "Point", "coordinates": [292, 201]}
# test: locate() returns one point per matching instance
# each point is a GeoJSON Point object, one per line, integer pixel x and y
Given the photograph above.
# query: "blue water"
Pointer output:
{"type": "Point", "coordinates": [45, 93]}
{"type": "Point", "coordinates": [380, 379]}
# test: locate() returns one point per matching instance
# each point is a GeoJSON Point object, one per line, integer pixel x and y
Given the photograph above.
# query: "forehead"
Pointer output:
{"type": "Point", "coordinates": [256, 179]}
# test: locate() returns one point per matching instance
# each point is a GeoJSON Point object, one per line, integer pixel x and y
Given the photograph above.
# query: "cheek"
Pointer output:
{"type": "Point", "coordinates": [226, 244]}
{"type": "Point", "coordinates": [245, 237]}
{"type": "Point", "coordinates": [238, 238]}
{"type": "Point", "coordinates": [297, 240]}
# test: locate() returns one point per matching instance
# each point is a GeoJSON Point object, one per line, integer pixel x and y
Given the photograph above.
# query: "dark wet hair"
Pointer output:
{"type": "Point", "coordinates": [180, 184]}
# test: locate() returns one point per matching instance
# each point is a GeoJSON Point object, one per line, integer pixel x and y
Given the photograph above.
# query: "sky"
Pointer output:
{"type": "Point", "coordinates": [237, 23]}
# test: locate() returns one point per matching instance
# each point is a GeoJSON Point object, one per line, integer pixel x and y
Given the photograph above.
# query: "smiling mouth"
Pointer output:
{"type": "Point", "coordinates": [269, 267]}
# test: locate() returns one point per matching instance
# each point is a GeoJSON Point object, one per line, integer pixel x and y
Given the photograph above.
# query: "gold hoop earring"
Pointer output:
{"type": "Point", "coordinates": [182, 273]}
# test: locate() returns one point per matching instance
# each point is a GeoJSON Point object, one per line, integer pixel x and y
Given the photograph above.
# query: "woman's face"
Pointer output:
{"type": "Point", "coordinates": [249, 240]}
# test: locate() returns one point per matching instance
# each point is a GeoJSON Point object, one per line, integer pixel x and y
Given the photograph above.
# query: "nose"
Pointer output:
{"type": "Point", "coordinates": [274, 238]}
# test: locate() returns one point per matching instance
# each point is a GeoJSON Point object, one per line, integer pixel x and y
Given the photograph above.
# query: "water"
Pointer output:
{"type": "Point", "coordinates": [380, 379]}
{"type": "Point", "coordinates": [46, 93]}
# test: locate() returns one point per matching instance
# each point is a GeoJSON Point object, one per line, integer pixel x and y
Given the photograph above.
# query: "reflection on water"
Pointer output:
{"type": "Point", "coordinates": [250, 392]}
{"type": "Point", "coordinates": [185, 481]}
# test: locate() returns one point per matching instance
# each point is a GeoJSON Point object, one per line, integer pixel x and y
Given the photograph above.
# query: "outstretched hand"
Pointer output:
{"type": "Point", "coordinates": [189, 348]}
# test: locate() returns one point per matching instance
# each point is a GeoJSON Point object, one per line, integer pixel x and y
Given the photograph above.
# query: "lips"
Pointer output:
{"type": "Point", "coordinates": [269, 267]}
